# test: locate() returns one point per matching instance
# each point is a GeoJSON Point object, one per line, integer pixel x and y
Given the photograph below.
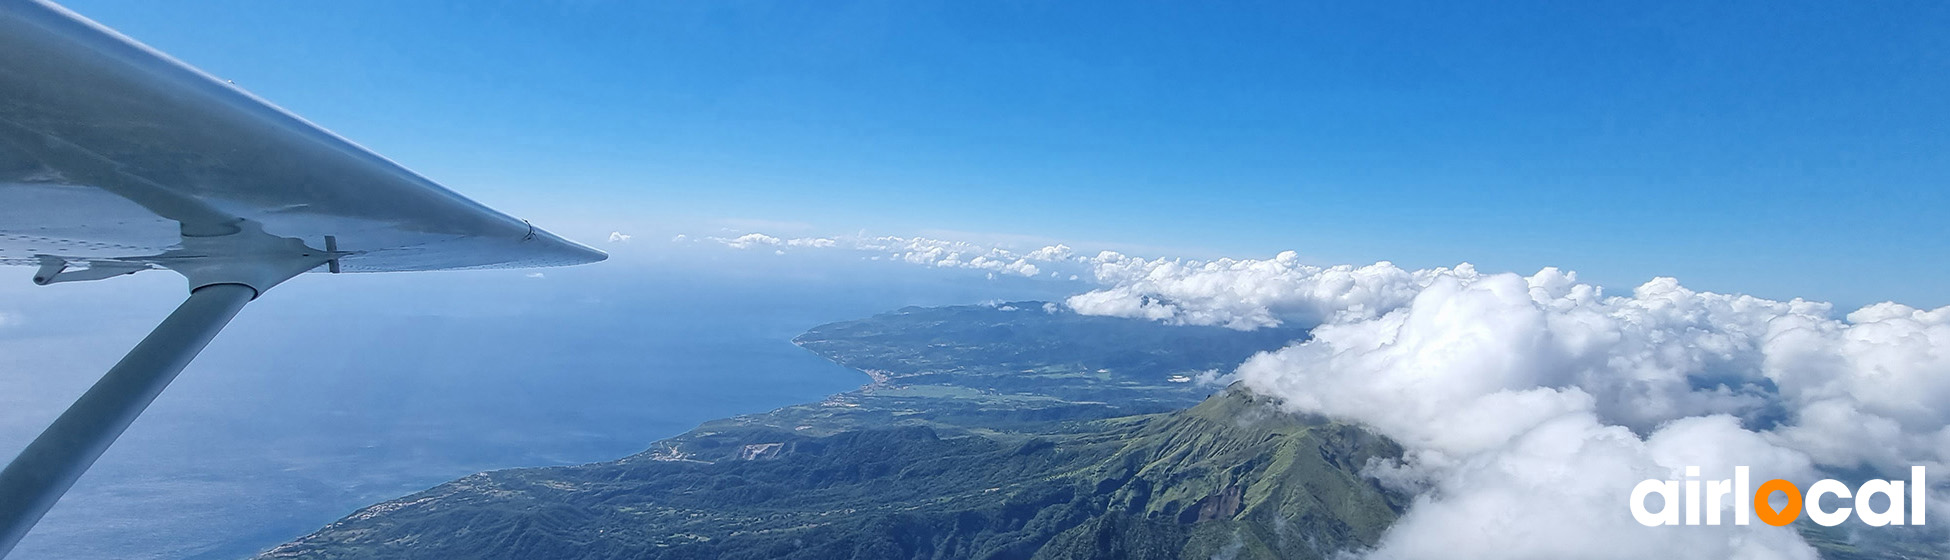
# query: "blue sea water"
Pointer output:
{"type": "Point", "coordinates": [330, 394]}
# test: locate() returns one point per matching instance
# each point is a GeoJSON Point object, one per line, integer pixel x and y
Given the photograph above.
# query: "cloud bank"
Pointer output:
{"type": "Point", "coordinates": [1531, 405]}
{"type": "Point", "coordinates": [1249, 294]}
{"type": "Point", "coordinates": [923, 251]}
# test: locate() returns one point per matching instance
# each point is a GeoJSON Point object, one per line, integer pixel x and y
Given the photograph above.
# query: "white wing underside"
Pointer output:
{"type": "Point", "coordinates": [112, 153]}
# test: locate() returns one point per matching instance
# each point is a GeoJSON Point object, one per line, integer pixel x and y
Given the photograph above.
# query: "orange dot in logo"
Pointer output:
{"type": "Point", "coordinates": [1783, 516]}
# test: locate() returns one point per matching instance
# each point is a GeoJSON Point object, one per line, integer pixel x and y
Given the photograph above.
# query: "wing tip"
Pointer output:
{"type": "Point", "coordinates": [571, 253]}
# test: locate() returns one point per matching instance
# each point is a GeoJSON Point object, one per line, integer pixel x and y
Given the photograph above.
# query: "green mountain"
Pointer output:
{"type": "Point", "coordinates": [1007, 431]}
{"type": "Point", "coordinates": [1012, 431]}
{"type": "Point", "coordinates": [1231, 475]}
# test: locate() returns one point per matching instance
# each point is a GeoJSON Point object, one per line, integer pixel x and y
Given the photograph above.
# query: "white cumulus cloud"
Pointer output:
{"type": "Point", "coordinates": [923, 251]}
{"type": "Point", "coordinates": [1249, 293]}
{"type": "Point", "coordinates": [1531, 405]}
{"type": "Point", "coordinates": [748, 241]}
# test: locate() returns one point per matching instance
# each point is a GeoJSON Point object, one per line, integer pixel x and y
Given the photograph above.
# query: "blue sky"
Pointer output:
{"type": "Point", "coordinates": [1776, 148]}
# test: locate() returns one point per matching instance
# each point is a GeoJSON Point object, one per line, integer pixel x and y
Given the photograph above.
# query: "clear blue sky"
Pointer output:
{"type": "Point", "coordinates": [1776, 148]}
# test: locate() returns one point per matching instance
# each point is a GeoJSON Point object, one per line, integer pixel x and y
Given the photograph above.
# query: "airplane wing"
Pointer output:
{"type": "Point", "coordinates": [116, 159]}
{"type": "Point", "coordinates": [110, 150]}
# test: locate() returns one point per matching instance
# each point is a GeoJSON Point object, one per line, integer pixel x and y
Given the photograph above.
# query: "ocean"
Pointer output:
{"type": "Point", "coordinates": [333, 393]}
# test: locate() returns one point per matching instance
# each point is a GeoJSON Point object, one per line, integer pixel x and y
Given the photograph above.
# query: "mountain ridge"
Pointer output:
{"type": "Point", "coordinates": [1015, 430]}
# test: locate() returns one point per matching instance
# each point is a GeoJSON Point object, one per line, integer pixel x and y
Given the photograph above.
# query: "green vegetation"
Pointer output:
{"type": "Point", "coordinates": [1194, 483]}
{"type": "Point", "coordinates": [1005, 431]}
{"type": "Point", "coordinates": [989, 432]}
{"type": "Point", "coordinates": [1026, 348]}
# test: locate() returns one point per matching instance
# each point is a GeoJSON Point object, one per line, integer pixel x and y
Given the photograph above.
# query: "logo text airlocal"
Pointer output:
{"type": "Point", "coordinates": [1717, 491]}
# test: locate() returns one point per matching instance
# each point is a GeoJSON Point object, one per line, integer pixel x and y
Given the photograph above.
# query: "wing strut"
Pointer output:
{"type": "Point", "coordinates": [49, 466]}
{"type": "Point", "coordinates": [225, 272]}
